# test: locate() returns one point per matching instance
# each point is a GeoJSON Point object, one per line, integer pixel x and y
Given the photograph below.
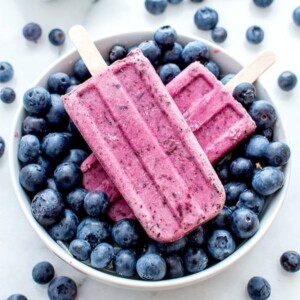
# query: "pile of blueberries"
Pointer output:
{"type": "Point", "coordinates": [51, 151]}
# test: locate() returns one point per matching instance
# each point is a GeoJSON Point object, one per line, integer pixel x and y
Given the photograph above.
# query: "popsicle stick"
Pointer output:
{"type": "Point", "coordinates": [252, 71]}
{"type": "Point", "coordinates": [87, 49]}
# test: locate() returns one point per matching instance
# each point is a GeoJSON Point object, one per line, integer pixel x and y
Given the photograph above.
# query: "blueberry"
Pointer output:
{"type": "Point", "coordinates": [80, 249]}
{"type": "Point", "coordinates": [258, 288]}
{"type": "Point", "coordinates": [277, 154]}
{"type": "Point", "coordinates": [233, 191]}
{"type": "Point", "coordinates": [213, 67]}
{"type": "Point", "coordinates": [206, 18]}
{"type": "Point", "coordinates": [7, 95]}
{"type": "Point", "coordinates": [47, 207]}
{"type": "Point", "coordinates": [219, 34]}
{"type": "Point", "coordinates": [263, 113]}
{"type": "Point", "coordinates": [256, 146]}
{"type": "Point", "coordinates": [172, 55]}
{"type": "Point", "coordinates": [245, 93]}
{"type": "Point", "coordinates": [32, 32]}
{"type": "Point", "coordinates": [197, 1]}
{"type": "Point", "coordinates": [194, 51]}
{"type": "Point", "coordinates": [175, 266]}
{"type": "Point", "coordinates": [67, 176]}
{"type": "Point", "coordinates": [126, 233]}
{"type": "Point", "coordinates": [251, 200]}
{"type": "Point", "coordinates": [57, 116]}
{"type": "Point", "coordinates": [16, 297]}
{"type": "Point", "coordinates": [222, 219]}
{"type": "Point", "coordinates": [55, 145]}
{"type": "Point", "coordinates": [176, 246]}
{"type": "Point", "coordinates": [93, 231]}
{"type": "Point", "coordinates": [37, 101]}
{"type": "Point", "coordinates": [2, 146]}
{"type": "Point", "coordinates": [151, 267]}
{"type": "Point", "coordinates": [33, 177]}
{"type": "Point", "coordinates": [34, 125]}
{"type": "Point", "coordinates": [46, 164]}
{"type": "Point", "coordinates": [241, 169]}
{"type": "Point", "coordinates": [125, 263]}
{"type": "Point", "coordinates": [151, 247]}
{"type": "Point", "coordinates": [287, 80]}
{"type": "Point", "coordinates": [58, 83]}
{"type": "Point", "coordinates": [267, 132]}
{"type": "Point", "coordinates": [168, 72]}
{"type": "Point", "coordinates": [151, 50]}
{"type": "Point", "coordinates": [70, 88]}
{"type": "Point", "coordinates": [262, 3]}
{"type": "Point", "coordinates": [56, 37]}
{"type": "Point", "coordinates": [244, 222]}
{"type": "Point", "coordinates": [102, 255]}
{"type": "Point", "coordinates": [117, 52]}
{"type": "Point", "coordinates": [29, 148]}
{"type": "Point", "coordinates": [165, 36]}
{"type": "Point", "coordinates": [220, 244]}
{"type": "Point", "coordinates": [195, 259]}
{"type": "Point", "coordinates": [226, 78]}
{"type": "Point", "coordinates": [96, 203]}
{"type": "Point", "coordinates": [43, 272]}
{"type": "Point", "coordinates": [223, 172]}
{"type": "Point", "coordinates": [156, 7]}
{"type": "Point", "coordinates": [268, 180]}
{"type": "Point", "coordinates": [296, 15]}
{"type": "Point", "coordinates": [175, 1]}
{"type": "Point", "coordinates": [255, 34]}
{"type": "Point", "coordinates": [198, 236]}
{"type": "Point", "coordinates": [80, 70]}
{"type": "Point", "coordinates": [75, 200]}
{"type": "Point", "coordinates": [62, 288]}
{"type": "Point", "coordinates": [6, 72]}
{"type": "Point", "coordinates": [76, 156]}
{"type": "Point", "coordinates": [290, 261]}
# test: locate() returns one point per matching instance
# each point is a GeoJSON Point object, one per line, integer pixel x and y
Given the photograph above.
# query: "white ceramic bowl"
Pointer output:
{"type": "Point", "coordinates": [228, 65]}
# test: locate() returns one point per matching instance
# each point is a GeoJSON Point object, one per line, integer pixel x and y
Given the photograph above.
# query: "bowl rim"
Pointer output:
{"type": "Point", "coordinates": [106, 277]}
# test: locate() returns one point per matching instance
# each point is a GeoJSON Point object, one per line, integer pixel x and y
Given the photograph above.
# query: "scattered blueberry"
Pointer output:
{"type": "Point", "coordinates": [165, 36]}
{"type": "Point", "coordinates": [125, 263]}
{"type": "Point", "coordinates": [233, 191]}
{"type": "Point", "coordinates": [58, 83]}
{"type": "Point", "coordinates": [34, 125]}
{"type": "Point", "coordinates": [262, 3]}
{"type": "Point", "coordinates": [95, 203]}
{"type": "Point", "coordinates": [277, 154]}
{"type": "Point", "coordinates": [197, 1]}
{"type": "Point", "coordinates": [251, 200]}
{"type": "Point", "coordinates": [213, 67]}
{"type": "Point", "coordinates": [62, 288]}
{"type": "Point", "coordinates": [206, 18]}
{"type": "Point", "coordinates": [17, 297]}
{"type": "Point", "coordinates": [245, 93]}
{"type": "Point", "coordinates": [6, 71]}
{"type": "Point", "coordinates": [290, 261]}
{"type": "Point", "coordinates": [56, 37]}
{"type": "Point", "coordinates": [33, 178]}
{"type": "Point", "coordinates": [117, 52]}
{"type": "Point", "coordinates": [80, 70]}
{"type": "Point", "coordinates": [75, 200]}
{"type": "Point", "coordinates": [219, 34]}
{"type": "Point", "coordinates": [198, 236]}
{"type": "Point", "coordinates": [193, 51]}
{"type": "Point", "coordinates": [287, 80]}
{"type": "Point", "coordinates": [7, 95]}
{"type": "Point", "coordinates": [175, 266]}
{"type": "Point", "coordinates": [80, 249]}
{"type": "Point", "coordinates": [175, 1]}
{"type": "Point", "coordinates": [2, 146]}
{"type": "Point", "coordinates": [151, 267]}
{"type": "Point", "coordinates": [195, 259]}
{"type": "Point", "coordinates": [258, 288]}
{"type": "Point", "coordinates": [76, 156]}
{"type": "Point", "coordinates": [255, 34]}
{"type": "Point", "coordinates": [168, 72]}
{"type": "Point", "coordinates": [102, 255]}
{"type": "Point", "coordinates": [296, 15]}
{"type": "Point", "coordinates": [241, 169]}
{"type": "Point", "coordinates": [256, 146]}
{"type": "Point", "coordinates": [172, 55]}
{"type": "Point", "coordinates": [156, 7]}
{"type": "Point", "coordinates": [43, 272]}
{"type": "Point", "coordinates": [176, 246]}
{"type": "Point", "coordinates": [32, 32]}
{"type": "Point", "coordinates": [151, 50]}
{"type": "Point", "coordinates": [56, 116]}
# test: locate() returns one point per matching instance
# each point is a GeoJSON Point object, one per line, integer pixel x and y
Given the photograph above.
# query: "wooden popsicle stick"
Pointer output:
{"type": "Point", "coordinates": [252, 71]}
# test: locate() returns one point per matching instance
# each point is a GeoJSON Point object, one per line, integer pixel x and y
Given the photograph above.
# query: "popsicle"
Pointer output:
{"type": "Point", "coordinates": [137, 132]}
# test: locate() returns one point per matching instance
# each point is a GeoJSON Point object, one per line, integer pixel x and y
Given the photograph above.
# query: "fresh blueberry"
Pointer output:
{"type": "Point", "coordinates": [195, 259]}
{"type": "Point", "coordinates": [43, 272]}
{"type": "Point", "coordinates": [126, 233]}
{"type": "Point", "coordinates": [290, 261]}
{"type": "Point", "coordinates": [233, 191]}
{"type": "Point", "coordinates": [244, 222]}
{"type": "Point", "coordinates": [245, 93]}
{"type": "Point", "coordinates": [57, 116]}
{"type": "Point", "coordinates": [62, 288]}
{"type": "Point", "coordinates": [213, 67]}
{"type": "Point", "coordinates": [117, 52]}
{"type": "Point", "coordinates": [220, 244]}
{"type": "Point", "coordinates": [125, 263]}
{"type": "Point", "coordinates": [256, 146]}
{"type": "Point", "coordinates": [219, 34]}
{"type": "Point", "coordinates": [175, 266]}
{"type": "Point", "coordinates": [17, 297]}
{"type": "Point", "coordinates": [93, 231]}
{"type": "Point", "coordinates": [33, 178]}
{"type": "Point", "coordinates": [267, 132]}
{"type": "Point", "coordinates": [165, 36]}
{"type": "Point", "coordinates": [176, 246]}
{"type": "Point", "coordinates": [263, 113]}
{"type": "Point", "coordinates": [80, 70]}
{"type": "Point", "coordinates": [102, 255]}
{"type": "Point", "coordinates": [58, 83]}
{"type": "Point", "coordinates": [6, 71]}
{"type": "Point", "coordinates": [29, 148]}
{"type": "Point", "coordinates": [268, 180]}
{"type": "Point", "coordinates": [222, 219]}
{"type": "Point", "coordinates": [255, 34]}
{"type": "Point", "coordinates": [65, 229]}
{"type": "Point", "coordinates": [258, 288]}
{"type": "Point", "coordinates": [151, 267]}
{"type": "Point", "coordinates": [296, 15]}
{"type": "Point", "coordinates": [287, 80]}
{"type": "Point", "coordinates": [46, 164]}
{"type": "Point", "coordinates": [172, 55]}
{"type": "Point", "coordinates": [262, 3]}
{"type": "Point", "coordinates": [37, 101]}
{"type": "Point", "coordinates": [75, 200]}
{"type": "Point", "coordinates": [80, 249]}
{"type": "Point", "coordinates": [198, 236]}
{"type": "Point", "coordinates": [2, 146]}
{"type": "Point", "coordinates": [226, 78]}
{"type": "Point", "coordinates": [151, 247]}
{"type": "Point", "coordinates": [32, 32]}
{"type": "Point", "coordinates": [76, 156]}
{"type": "Point", "coordinates": [96, 203]}
{"type": "Point", "coordinates": [251, 200]}
{"type": "Point", "coordinates": [34, 125]}
{"type": "Point", "coordinates": [56, 37]}
{"type": "Point", "coordinates": [67, 176]}
{"type": "Point", "coordinates": [241, 169]}
{"type": "Point", "coordinates": [277, 154]}
{"type": "Point", "coordinates": [151, 50]}
{"type": "Point", "coordinates": [156, 7]}
{"type": "Point", "coordinates": [7, 95]}
{"type": "Point", "coordinates": [55, 145]}
{"type": "Point", "coordinates": [168, 72]}
{"type": "Point", "coordinates": [206, 18]}
{"type": "Point", "coordinates": [47, 207]}
{"type": "Point", "coordinates": [223, 172]}
{"type": "Point", "coordinates": [175, 1]}
{"type": "Point", "coordinates": [194, 51]}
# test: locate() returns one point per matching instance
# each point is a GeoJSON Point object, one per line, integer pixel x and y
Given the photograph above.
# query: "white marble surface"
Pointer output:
{"type": "Point", "coordinates": [21, 248]}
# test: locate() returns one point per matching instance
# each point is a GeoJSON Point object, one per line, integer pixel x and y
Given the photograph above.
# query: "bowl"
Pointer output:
{"type": "Point", "coordinates": [229, 65]}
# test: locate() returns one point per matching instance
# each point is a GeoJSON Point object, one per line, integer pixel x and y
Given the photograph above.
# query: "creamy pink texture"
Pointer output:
{"type": "Point", "coordinates": [136, 131]}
